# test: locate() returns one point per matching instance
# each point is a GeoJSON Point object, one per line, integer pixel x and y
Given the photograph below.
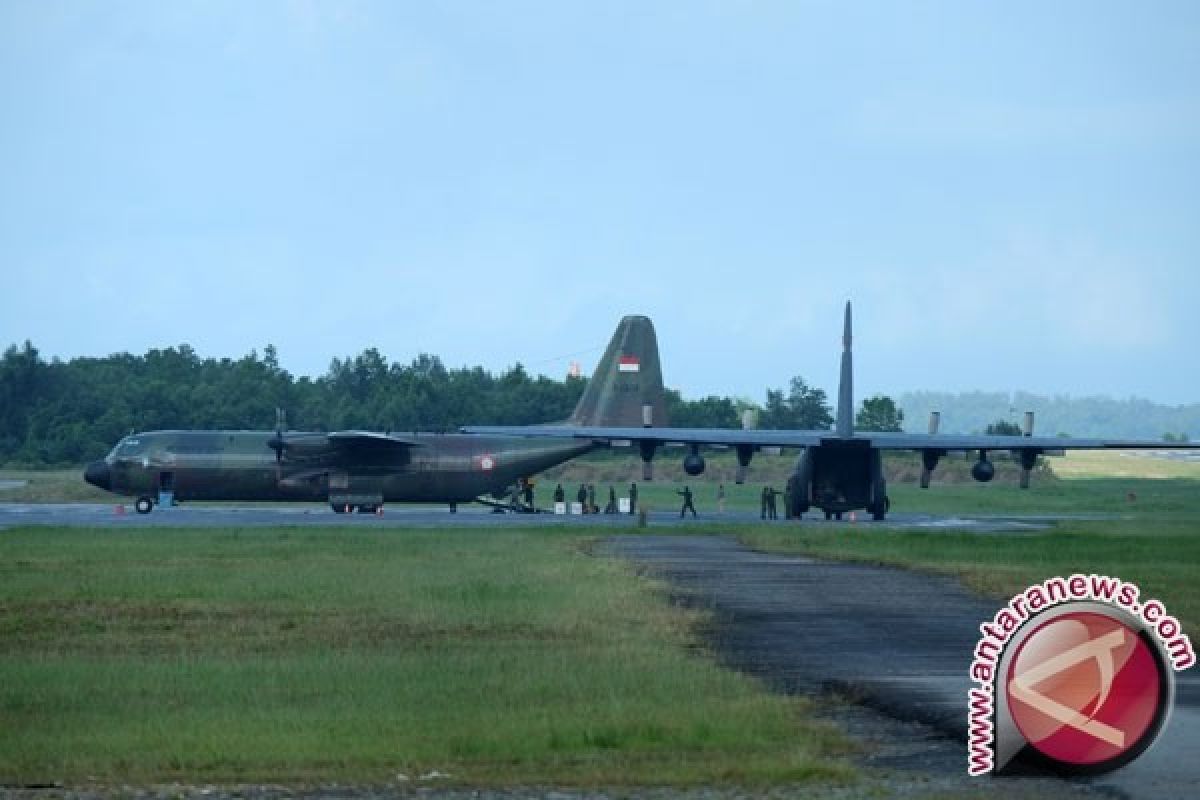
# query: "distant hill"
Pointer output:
{"type": "Point", "coordinates": [1133, 417]}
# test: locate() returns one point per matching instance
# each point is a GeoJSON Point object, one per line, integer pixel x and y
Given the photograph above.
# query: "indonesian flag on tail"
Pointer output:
{"type": "Point", "coordinates": [628, 364]}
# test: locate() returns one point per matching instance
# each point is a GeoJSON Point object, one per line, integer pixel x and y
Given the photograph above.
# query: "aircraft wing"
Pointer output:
{"type": "Point", "coordinates": [952, 441]}
{"type": "Point", "coordinates": [803, 438]}
{"type": "Point", "coordinates": [713, 436]}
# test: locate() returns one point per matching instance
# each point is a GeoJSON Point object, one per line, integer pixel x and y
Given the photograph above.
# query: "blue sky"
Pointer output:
{"type": "Point", "coordinates": [1007, 192]}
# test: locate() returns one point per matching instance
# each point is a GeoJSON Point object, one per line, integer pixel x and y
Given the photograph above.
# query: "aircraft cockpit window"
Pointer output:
{"type": "Point", "coordinates": [125, 448]}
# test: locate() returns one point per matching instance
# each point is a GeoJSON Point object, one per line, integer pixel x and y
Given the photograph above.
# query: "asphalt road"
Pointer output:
{"type": "Point", "coordinates": [121, 515]}
{"type": "Point", "coordinates": [899, 643]}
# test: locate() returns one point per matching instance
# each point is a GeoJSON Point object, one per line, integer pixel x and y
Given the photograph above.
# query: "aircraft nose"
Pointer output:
{"type": "Point", "coordinates": [97, 474]}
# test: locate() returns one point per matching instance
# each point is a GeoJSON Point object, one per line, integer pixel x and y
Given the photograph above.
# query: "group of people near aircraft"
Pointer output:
{"type": "Point", "coordinates": [586, 498]}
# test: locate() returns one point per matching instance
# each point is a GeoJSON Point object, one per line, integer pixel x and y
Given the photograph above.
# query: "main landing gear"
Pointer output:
{"type": "Point", "coordinates": [878, 512]}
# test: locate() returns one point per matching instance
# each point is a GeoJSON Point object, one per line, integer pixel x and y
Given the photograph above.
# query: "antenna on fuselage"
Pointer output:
{"type": "Point", "coordinates": [845, 409]}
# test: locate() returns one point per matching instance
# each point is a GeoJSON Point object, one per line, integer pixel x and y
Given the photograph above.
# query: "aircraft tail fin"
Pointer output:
{"type": "Point", "coordinates": [627, 384]}
{"type": "Point", "coordinates": [845, 407]}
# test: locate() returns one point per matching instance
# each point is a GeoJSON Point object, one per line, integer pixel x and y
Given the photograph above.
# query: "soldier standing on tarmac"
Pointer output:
{"type": "Point", "coordinates": [633, 498]}
{"type": "Point", "coordinates": [687, 502]}
{"type": "Point", "coordinates": [528, 494]}
{"type": "Point", "coordinates": [772, 494]}
{"type": "Point", "coordinates": [581, 496]}
{"type": "Point", "coordinates": [765, 500]}
{"type": "Point", "coordinates": [721, 499]}
{"type": "Point", "coordinates": [591, 499]}
{"type": "Point", "coordinates": [611, 508]}
{"type": "Point", "coordinates": [559, 495]}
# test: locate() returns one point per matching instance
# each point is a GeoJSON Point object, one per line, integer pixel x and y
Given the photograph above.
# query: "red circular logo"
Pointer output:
{"type": "Point", "coordinates": [1086, 690]}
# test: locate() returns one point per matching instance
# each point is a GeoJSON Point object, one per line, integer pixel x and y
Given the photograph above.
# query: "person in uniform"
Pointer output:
{"type": "Point", "coordinates": [687, 502]}
{"type": "Point", "coordinates": [559, 495]}
{"type": "Point", "coordinates": [591, 499]}
{"type": "Point", "coordinates": [764, 501]}
{"type": "Point", "coordinates": [581, 497]}
{"type": "Point", "coordinates": [721, 499]}
{"type": "Point", "coordinates": [611, 508]}
{"type": "Point", "coordinates": [632, 498]}
{"type": "Point", "coordinates": [528, 494]}
{"type": "Point", "coordinates": [772, 506]}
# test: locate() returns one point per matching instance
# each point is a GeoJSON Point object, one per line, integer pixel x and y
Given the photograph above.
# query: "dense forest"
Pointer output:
{"type": "Point", "coordinates": [68, 412]}
{"type": "Point", "coordinates": [60, 413]}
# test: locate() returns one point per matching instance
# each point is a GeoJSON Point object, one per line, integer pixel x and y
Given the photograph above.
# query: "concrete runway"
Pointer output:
{"type": "Point", "coordinates": [898, 642]}
{"type": "Point", "coordinates": [118, 515]}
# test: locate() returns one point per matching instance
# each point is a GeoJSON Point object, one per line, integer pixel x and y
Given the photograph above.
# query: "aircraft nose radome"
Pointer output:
{"type": "Point", "coordinates": [97, 474]}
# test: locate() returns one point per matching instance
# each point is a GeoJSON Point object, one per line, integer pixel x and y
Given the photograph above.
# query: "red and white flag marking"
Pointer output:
{"type": "Point", "coordinates": [628, 364]}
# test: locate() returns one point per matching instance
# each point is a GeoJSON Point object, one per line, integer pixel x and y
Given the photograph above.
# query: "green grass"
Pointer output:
{"type": "Point", "coordinates": [1109, 463]}
{"type": "Point", "coordinates": [51, 486]}
{"type": "Point", "coordinates": [1160, 552]}
{"type": "Point", "coordinates": [298, 655]}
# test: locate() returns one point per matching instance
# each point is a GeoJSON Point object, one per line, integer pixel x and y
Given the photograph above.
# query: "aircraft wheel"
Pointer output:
{"type": "Point", "coordinates": [838, 516]}
{"type": "Point", "coordinates": [365, 509]}
{"type": "Point", "coordinates": [828, 516]}
{"type": "Point", "coordinates": [338, 508]}
{"type": "Point", "coordinates": [143, 505]}
{"type": "Point", "coordinates": [879, 513]}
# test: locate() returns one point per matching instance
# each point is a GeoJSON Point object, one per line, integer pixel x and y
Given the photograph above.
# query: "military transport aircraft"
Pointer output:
{"type": "Point", "coordinates": [361, 470]}
{"type": "Point", "coordinates": [838, 470]}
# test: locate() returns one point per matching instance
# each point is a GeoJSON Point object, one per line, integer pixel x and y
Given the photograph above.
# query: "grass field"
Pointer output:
{"type": "Point", "coordinates": [496, 656]}
{"type": "Point", "coordinates": [51, 486]}
{"type": "Point", "coordinates": [1118, 464]}
{"type": "Point", "coordinates": [309, 655]}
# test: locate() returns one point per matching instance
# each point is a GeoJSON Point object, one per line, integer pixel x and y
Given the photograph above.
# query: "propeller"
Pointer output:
{"type": "Point", "coordinates": [277, 444]}
{"type": "Point", "coordinates": [929, 458]}
{"type": "Point", "coordinates": [1028, 458]}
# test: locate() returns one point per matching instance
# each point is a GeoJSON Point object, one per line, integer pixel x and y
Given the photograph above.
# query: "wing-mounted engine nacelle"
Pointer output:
{"type": "Point", "coordinates": [647, 447]}
{"type": "Point", "coordinates": [299, 447]}
{"type": "Point", "coordinates": [744, 453]}
{"type": "Point", "coordinates": [984, 470]}
{"type": "Point", "coordinates": [929, 457]}
{"type": "Point", "coordinates": [693, 462]}
{"type": "Point", "coordinates": [1028, 459]}
{"type": "Point", "coordinates": [929, 462]}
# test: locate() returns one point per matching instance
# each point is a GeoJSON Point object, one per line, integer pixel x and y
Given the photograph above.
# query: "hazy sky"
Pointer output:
{"type": "Point", "coordinates": [1009, 192]}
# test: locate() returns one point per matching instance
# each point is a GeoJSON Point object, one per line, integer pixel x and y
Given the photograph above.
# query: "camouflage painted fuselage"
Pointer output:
{"type": "Point", "coordinates": [242, 466]}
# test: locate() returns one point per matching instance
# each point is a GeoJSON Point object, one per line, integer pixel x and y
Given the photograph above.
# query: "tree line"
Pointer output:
{"type": "Point", "coordinates": [1100, 417]}
{"type": "Point", "coordinates": [69, 412]}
